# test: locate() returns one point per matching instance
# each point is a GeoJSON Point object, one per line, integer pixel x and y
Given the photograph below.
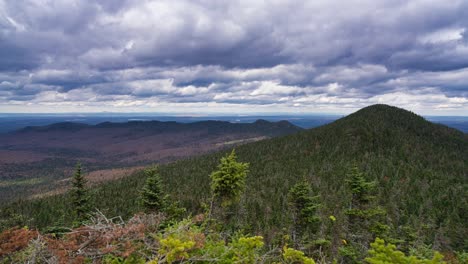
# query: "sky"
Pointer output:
{"type": "Point", "coordinates": [233, 57]}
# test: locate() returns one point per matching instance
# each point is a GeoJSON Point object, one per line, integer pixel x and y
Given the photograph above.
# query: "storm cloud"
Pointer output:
{"type": "Point", "coordinates": [233, 56]}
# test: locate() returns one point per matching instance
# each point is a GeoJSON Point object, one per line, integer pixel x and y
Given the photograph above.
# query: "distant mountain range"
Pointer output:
{"type": "Point", "coordinates": [136, 140]}
{"type": "Point", "coordinates": [41, 155]}
{"type": "Point", "coordinates": [12, 122]}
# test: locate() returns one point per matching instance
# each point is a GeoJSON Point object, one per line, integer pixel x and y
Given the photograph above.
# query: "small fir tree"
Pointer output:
{"type": "Point", "coordinates": [363, 216]}
{"type": "Point", "coordinates": [80, 197]}
{"type": "Point", "coordinates": [304, 207]}
{"type": "Point", "coordinates": [361, 189]}
{"type": "Point", "coordinates": [152, 195]}
{"type": "Point", "coordinates": [228, 182]}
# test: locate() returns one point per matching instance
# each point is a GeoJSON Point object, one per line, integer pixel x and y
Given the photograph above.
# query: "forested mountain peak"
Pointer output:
{"type": "Point", "coordinates": [382, 109]}
{"type": "Point", "coordinates": [381, 116]}
{"type": "Point", "coordinates": [386, 129]}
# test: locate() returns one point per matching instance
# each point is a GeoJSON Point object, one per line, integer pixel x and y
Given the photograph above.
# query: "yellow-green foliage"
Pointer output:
{"type": "Point", "coordinates": [110, 259]}
{"type": "Point", "coordinates": [177, 242]}
{"type": "Point", "coordinates": [381, 253]}
{"type": "Point", "coordinates": [243, 249]}
{"type": "Point", "coordinates": [175, 249]}
{"type": "Point", "coordinates": [246, 249]}
{"type": "Point", "coordinates": [186, 241]}
{"type": "Point", "coordinates": [291, 255]}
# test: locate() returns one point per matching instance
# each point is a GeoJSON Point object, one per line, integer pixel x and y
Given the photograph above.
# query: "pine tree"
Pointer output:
{"type": "Point", "coordinates": [80, 198]}
{"type": "Point", "coordinates": [304, 207]}
{"type": "Point", "coordinates": [152, 195]}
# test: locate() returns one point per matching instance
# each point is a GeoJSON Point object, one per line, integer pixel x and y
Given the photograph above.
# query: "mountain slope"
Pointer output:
{"type": "Point", "coordinates": [419, 167]}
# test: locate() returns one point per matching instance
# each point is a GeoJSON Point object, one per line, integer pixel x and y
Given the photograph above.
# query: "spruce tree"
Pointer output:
{"type": "Point", "coordinates": [80, 198]}
{"type": "Point", "coordinates": [304, 207]}
{"type": "Point", "coordinates": [363, 216]}
{"type": "Point", "coordinates": [152, 195]}
{"type": "Point", "coordinates": [228, 182]}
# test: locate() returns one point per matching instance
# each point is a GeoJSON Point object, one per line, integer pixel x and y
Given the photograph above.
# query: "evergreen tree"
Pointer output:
{"type": "Point", "coordinates": [152, 196]}
{"type": "Point", "coordinates": [363, 216]}
{"type": "Point", "coordinates": [80, 197]}
{"type": "Point", "coordinates": [228, 182]}
{"type": "Point", "coordinates": [388, 253]}
{"type": "Point", "coordinates": [361, 189]}
{"type": "Point", "coordinates": [304, 207]}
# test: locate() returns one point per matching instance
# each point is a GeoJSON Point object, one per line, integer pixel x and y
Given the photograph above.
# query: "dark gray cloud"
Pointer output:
{"type": "Point", "coordinates": [238, 55]}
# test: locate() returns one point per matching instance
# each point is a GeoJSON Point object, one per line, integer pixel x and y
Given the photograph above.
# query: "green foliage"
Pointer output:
{"type": "Point", "coordinates": [228, 182]}
{"type": "Point", "coordinates": [152, 196]}
{"type": "Point", "coordinates": [184, 241]}
{"type": "Point", "coordinates": [80, 197]}
{"type": "Point", "coordinates": [321, 242]}
{"type": "Point", "coordinates": [132, 259]}
{"type": "Point", "coordinates": [177, 241]}
{"type": "Point", "coordinates": [360, 188]}
{"type": "Point", "coordinates": [350, 254]}
{"type": "Point", "coordinates": [363, 216]}
{"type": "Point", "coordinates": [304, 210]}
{"type": "Point", "coordinates": [9, 218]}
{"type": "Point", "coordinates": [174, 210]}
{"type": "Point", "coordinates": [294, 256]}
{"type": "Point", "coordinates": [462, 257]}
{"type": "Point", "coordinates": [174, 249]}
{"type": "Point", "coordinates": [381, 253]}
{"type": "Point", "coordinates": [422, 251]}
{"type": "Point", "coordinates": [246, 249]}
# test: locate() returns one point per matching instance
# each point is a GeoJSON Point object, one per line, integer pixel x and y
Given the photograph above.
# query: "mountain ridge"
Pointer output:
{"type": "Point", "coordinates": [74, 126]}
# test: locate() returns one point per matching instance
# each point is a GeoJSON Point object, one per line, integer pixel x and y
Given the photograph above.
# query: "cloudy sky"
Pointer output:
{"type": "Point", "coordinates": [204, 56]}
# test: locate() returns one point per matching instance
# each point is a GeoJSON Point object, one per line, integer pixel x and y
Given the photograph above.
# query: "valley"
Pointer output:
{"type": "Point", "coordinates": [37, 160]}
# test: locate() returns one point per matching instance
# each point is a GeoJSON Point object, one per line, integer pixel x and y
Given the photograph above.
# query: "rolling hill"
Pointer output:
{"type": "Point", "coordinates": [420, 169]}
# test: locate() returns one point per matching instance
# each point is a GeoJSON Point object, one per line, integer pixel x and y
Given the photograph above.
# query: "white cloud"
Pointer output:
{"type": "Point", "coordinates": [274, 88]}
{"type": "Point", "coordinates": [274, 56]}
{"type": "Point", "coordinates": [443, 35]}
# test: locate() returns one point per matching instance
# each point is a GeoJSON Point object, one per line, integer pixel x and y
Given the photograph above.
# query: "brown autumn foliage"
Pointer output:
{"type": "Point", "coordinates": [102, 236]}
{"type": "Point", "coordinates": [15, 239]}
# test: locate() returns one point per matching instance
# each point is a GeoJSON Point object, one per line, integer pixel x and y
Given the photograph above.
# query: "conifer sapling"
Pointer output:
{"type": "Point", "coordinates": [152, 196]}
{"type": "Point", "coordinates": [80, 198]}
